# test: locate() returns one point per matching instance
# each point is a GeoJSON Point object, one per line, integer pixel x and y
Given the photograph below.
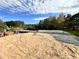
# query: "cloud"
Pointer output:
{"type": "Point", "coordinates": [40, 6]}
{"type": "Point", "coordinates": [40, 18]}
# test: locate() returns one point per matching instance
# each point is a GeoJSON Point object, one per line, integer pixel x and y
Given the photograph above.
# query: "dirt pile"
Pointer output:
{"type": "Point", "coordinates": [36, 46]}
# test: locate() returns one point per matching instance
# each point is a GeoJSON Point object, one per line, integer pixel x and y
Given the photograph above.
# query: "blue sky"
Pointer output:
{"type": "Point", "coordinates": [31, 11]}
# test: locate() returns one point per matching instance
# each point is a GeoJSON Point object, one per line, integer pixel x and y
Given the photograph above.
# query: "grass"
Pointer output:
{"type": "Point", "coordinates": [73, 32]}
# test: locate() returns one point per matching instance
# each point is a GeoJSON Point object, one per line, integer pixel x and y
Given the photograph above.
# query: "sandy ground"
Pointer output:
{"type": "Point", "coordinates": [36, 46]}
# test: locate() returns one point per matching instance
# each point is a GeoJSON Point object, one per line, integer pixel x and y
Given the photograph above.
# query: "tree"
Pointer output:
{"type": "Point", "coordinates": [48, 23]}
{"type": "Point", "coordinates": [10, 23]}
{"type": "Point", "coordinates": [14, 23]}
{"type": "Point", "coordinates": [60, 21]}
{"type": "Point", "coordinates": [18, 23]}
{"type": "Point", "coordinates": [72, 22]}
{"type": "Point", "coordinates": [2, 26]}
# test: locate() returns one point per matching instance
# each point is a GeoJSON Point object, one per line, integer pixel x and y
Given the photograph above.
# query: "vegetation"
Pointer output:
{"type": "Point", "coordinates": [61, 22]}
{"type": "Point", "coordinates": [52, 23]}
{"type": "Point", "coordinates": [2, 25]}
{"type": "Point", "coordinates": [29, 26]}
{"type": "Point", "coordinates": [14, 25]}
{"type": "Point", "coordinates": [73, 32]}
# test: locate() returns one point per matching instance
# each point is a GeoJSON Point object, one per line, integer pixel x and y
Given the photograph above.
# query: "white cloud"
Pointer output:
{"type": "Point", "coordinates": [40, 18]}
{"type": "Point", "coordinates": [41, 6]}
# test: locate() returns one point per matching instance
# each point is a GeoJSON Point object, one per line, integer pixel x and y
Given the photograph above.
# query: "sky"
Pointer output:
{"type": "Point", "coordinates": [31, 11]}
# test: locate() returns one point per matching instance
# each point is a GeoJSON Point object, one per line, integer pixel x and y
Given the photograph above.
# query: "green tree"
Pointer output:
{"type": "Point", "coordinates": [2, 26]}
{"type": "Point", "coordinates": [60, 21]}
{"type": "Point", "coordinates": [67, 23]}
{"type": "Point", "coordinates": [18, 23]}
{"type": "Point", "coordinates": [14, 23]}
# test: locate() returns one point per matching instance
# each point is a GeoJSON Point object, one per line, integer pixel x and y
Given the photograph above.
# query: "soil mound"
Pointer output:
{"type": "Point", "coordinates": [36, 46]}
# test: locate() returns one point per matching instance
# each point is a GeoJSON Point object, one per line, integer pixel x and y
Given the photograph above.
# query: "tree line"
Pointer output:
{"type": "Point", "coordinates": [10, 25]}
{"type": "Point", "coordinates": [61, 22]}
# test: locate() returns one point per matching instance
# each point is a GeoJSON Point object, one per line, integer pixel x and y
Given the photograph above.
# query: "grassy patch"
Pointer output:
{"type": "Point", "coordinates": [76, 33]}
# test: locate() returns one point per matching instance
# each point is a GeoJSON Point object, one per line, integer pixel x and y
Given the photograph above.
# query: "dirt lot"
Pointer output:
{"type": "Point", "coordinates": [36, 46]}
